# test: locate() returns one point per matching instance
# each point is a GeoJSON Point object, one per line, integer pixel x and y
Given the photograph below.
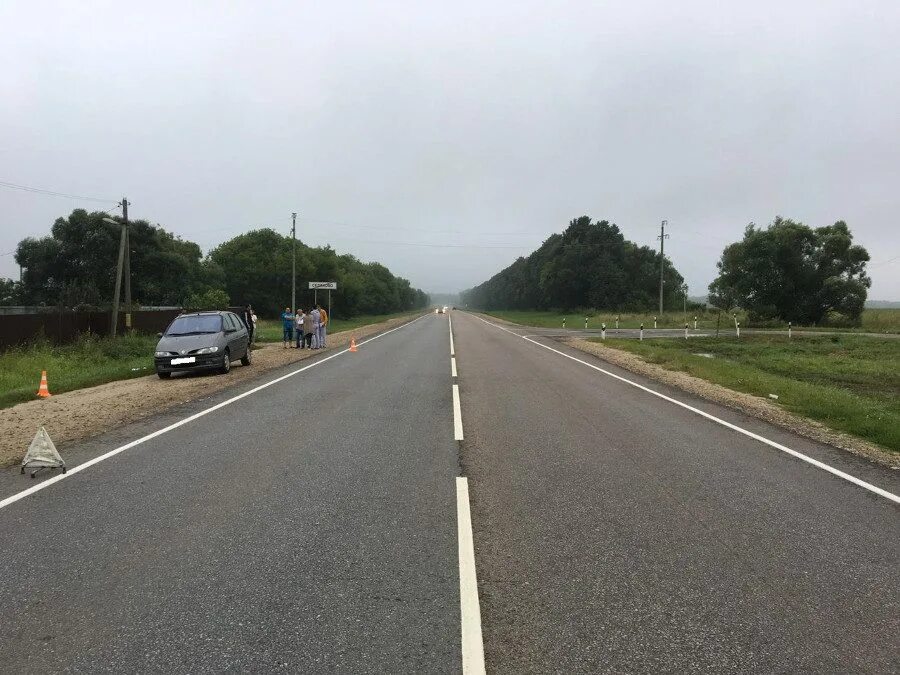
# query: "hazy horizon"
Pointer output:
{"type": "Point", "coordinates": [444, 141]}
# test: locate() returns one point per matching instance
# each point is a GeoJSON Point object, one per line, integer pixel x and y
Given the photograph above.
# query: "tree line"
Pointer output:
{"type": "Point", "coordinates": [75, 266]}
{"type": "Point", "coordinates": [787, 271]}
{"type": "Point", "coordinates": [590, 264]}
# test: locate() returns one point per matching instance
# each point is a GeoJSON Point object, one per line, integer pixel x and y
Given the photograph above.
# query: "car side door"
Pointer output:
{"type": "Point", "coordinates": [231, 336]}
{"type": "Point", "coordinates": [241, 337]}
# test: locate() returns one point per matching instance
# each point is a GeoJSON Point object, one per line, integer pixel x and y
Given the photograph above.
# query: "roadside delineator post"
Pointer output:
{"type": "Point", "coordinates": [602, 331]}
{"type": "Point", "coordinates": [617, 322]}
{"type": "Point", "coordinates": [695, 323]}
{"type": "Point", "coordinates": [43, 391]}
{"type": "Point", "coordinates": [737, 328]}
{"type": "Point", "coordinates": [789, 330]}
{"type": "Point", "coordinates": [353, 345]}
{"type": "Point", "coordinates": [654, 322]}
{"type": "Point", "coordinates": [42, 454]}
{"type": "Point", "coordinates": [585, 323]}
{"type": "Point", "coordinates": [642, 331]}
{"type": "Point", "coordinates": [564, 322]}
{"type": "Point", "coordinates": [685, 331]}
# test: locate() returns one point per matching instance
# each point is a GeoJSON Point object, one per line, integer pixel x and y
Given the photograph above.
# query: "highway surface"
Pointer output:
{"type": "Point", "coordinates": [323, 518]}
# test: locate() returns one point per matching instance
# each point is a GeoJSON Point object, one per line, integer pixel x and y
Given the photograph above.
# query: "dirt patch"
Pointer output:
{"type": "Point", "coordinates": [746, 403]}
{"type": "Point", "coordinates": [80, 414]}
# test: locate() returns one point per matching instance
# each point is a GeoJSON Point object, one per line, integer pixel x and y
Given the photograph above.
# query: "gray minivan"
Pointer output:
{"type": "Point", "coordinates": [202, 341]}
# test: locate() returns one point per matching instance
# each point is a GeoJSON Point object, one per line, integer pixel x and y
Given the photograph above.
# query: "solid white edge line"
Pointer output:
{"type": "Point", "coordinates": [457, 415]}
{"type": "Point", "coordinates": [470, 610]}
{"type": "Point", "coordinates": [112, 453]}
{"type": "Point", "coordinates": [450, 323]}
{"type": "Point", "coordinates": [762, 439]}
{"type": "Point", "coordinates": [452, 366]}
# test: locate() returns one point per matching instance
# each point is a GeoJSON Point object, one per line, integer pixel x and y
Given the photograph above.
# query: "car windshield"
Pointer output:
{"type": "Point", "coordinates": [195, 325]}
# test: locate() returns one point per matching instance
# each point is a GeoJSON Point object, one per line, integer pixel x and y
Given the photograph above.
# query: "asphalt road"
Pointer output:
{"type": "Point", "coordinates": [311, 526]}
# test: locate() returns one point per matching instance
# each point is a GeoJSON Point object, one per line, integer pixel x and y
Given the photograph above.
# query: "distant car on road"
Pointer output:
{"type": "Point", "coordinates": [439, 310]}
{"type": "Point", "coordinates": [202, 341]}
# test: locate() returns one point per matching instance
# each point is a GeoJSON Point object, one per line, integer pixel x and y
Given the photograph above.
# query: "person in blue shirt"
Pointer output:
{"type": "Point", "coordinates": [287, 324]}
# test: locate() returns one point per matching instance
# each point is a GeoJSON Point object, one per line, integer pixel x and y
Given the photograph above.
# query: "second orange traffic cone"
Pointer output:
{"type": "Point", "coordinates": [353, 345]}
{"type": "Point", "coordinates": [43, 391]}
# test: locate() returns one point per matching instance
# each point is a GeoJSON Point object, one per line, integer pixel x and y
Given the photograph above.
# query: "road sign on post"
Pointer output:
{"type": "Point", "coordinates": [325, 286]}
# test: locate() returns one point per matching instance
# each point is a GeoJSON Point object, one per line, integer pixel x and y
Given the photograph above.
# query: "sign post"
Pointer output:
{"type": "Point", "coordinates": [329, 286]}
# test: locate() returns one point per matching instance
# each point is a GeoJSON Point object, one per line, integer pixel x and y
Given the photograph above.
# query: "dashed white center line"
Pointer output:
{"type": "Point", "coordinates": [457, 415]}
{"type": "Point", "coordinates": [472, 642]}
{"type": "Point", "coordinates": [450, 323]}
{"type": "Point", "coordinates": [452, 366]}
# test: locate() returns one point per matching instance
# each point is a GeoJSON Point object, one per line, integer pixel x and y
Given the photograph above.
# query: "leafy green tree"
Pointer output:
{"type": "Point", "coordinates": [211, 298]}
{"type": "Point", "coordinates": [10, 292]}
{"type": "Point", "coordinates": [256, 267]}
{"type": "Point", "coordinates": [76, 264]}
{"type": "Point", "coordinates": [793, 272]}
{"type": "Point", "coordinates": [589, 265]}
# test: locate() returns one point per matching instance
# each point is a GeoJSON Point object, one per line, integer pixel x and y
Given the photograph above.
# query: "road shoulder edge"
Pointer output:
{"type": "Point", "coordinates": [747, 404]}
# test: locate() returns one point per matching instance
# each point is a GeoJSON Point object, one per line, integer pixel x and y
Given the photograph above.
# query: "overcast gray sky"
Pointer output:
{"type": "Point", "coordinates": [447, 139]}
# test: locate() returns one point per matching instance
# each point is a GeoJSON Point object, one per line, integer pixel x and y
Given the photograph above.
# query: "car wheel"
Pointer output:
{"type": "Point", "coordinates": [226, 363]}
{"type": "Point", "coordinates": [247, 358]}
{"type": "Point", "coordinates": [163, 376]}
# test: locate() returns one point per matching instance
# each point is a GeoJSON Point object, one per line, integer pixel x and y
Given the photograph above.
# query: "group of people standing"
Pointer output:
{"type": "Point", "coordinates": [310, 326]}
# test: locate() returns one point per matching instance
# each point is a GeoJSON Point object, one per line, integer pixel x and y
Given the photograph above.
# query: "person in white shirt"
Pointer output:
{"type": "Point", "coordinates": [298, 328]}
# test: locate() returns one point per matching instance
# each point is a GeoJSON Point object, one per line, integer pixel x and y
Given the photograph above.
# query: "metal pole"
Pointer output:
{"type": "Point", "coordinates": [293, 262]}
{"type": "Point", "coordinates": [127, 264]}
{"type": "Point", "coordinates": [329, 304]}
{"type": "Point", "coordinates": [115, 305]}
{"type": "Point", "coordinates": [662, 261]}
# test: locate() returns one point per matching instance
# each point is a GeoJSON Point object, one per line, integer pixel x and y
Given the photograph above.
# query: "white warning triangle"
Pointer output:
{"type": "Point", "coordinates": [42, 452]}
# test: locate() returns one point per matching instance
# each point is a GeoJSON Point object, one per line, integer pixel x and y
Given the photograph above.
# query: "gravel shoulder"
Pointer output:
{"type": "Point", "coordinates": [84, 413]}
{"type": "Point", "coordinates": [746, 403]}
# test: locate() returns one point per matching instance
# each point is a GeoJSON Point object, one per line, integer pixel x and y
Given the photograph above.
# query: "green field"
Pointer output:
{"type": "Point", "coordinates": [873, 320]}
{"type": "Point", "coordinates": [94, 360]}
{"type": "Point", "coordinates": [850, 383]}
{"type": "Point", "coordinates": [85, 363]}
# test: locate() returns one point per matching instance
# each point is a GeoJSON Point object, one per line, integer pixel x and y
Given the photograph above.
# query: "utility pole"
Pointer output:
{"type": "Point", "coordinates": [124, 262]}
{"type": "Point", "coordinates": [294, 262]}
{"type": "Point", "coordinates": [115, 306]}
{"type": "Point", "coordinates": [662, 261]}
{"type": "Point", "coordinates": [127, 264]}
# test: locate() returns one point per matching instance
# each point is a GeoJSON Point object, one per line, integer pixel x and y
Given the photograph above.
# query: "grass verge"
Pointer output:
{"type": "Point", "coordinates": [849, 383]}
{"type": "Point", "coordinates": [873, 320]}
{"type": "Point", "coordinates": [89, 361]}
{"type": "Point", "coordinates": [93, 360]}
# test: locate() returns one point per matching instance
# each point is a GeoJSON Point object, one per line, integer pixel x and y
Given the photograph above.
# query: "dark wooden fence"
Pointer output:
{"type": "Point", "coordinates": [62, 326]}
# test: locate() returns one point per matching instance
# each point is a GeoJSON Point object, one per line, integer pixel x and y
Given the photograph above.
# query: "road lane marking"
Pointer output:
{"type": "Point", "coordinates": [470, 610]}
{"type": "Point", "coordinates": [187, 420]}
{"type": "Point", "coordinates": [450, 323]}
{"type": "Point", "coordinates": [762, 439]}
{"type": "Point", "coordinates": [452, 366]}
{"type": "Point", "coordinates": [457, 415]}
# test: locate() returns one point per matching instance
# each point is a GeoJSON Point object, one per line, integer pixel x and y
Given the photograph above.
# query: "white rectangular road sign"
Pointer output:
{"type": "Point", "coordinates": [323, 285]}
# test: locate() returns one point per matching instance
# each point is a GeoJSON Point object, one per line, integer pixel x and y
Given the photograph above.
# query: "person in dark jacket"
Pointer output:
{"type": "Point", "coordinates": [247, 316]}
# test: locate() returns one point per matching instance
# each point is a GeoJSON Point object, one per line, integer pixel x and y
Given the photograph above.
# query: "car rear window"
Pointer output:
{"type": "Point", "coordinates": [194, 324]}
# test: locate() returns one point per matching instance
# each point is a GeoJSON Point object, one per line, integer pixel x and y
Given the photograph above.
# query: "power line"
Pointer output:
{"type": "Point", "coordinates": [885, 262]}
{"type": "Point", "coordinates": [409, 229]}
{"type": "Point", "coordinates": [412, 243]}
{"type": "Point", "coordinates": [53, 193]}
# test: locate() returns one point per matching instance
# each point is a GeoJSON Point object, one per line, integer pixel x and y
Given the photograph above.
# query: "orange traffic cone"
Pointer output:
{"type": "Point", "coordinates": [353, 345]}
{"type": "Point", "coordinates": [43, 391]}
